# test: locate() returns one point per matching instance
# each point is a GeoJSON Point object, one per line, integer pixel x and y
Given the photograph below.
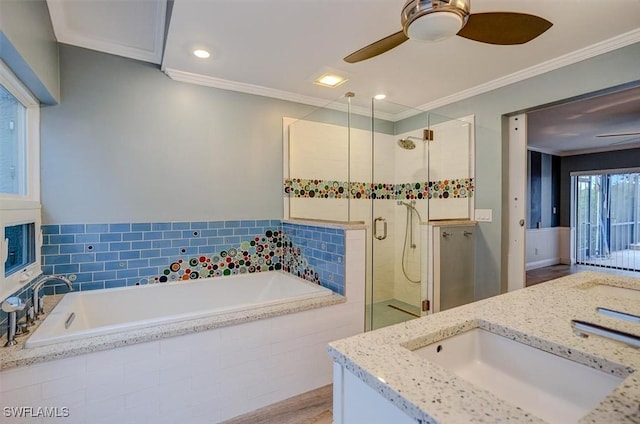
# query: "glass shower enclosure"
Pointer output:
{"type": "Point", "coordinates": [349, 163]}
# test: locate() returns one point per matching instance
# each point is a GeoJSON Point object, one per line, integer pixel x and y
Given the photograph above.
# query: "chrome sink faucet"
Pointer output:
{"type": "Point", "coordinates": [36, 300]}
{"type": "Point", "coordinates": [586, 329]}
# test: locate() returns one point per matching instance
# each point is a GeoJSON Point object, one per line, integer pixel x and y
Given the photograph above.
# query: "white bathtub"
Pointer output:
{"type": "Point", "coordinates": [108, 311]}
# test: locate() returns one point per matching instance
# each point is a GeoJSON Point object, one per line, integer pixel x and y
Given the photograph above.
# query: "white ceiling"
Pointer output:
{"type": "Point", "coordinates": [276, 47]}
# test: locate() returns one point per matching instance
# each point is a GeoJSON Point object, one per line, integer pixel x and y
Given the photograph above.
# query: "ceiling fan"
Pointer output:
{"type": "Point", "coordinates": [433, 20]}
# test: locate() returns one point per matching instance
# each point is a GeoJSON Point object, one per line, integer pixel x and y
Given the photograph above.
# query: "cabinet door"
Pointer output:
{"type": "Point", "coordinates": [457, 263]}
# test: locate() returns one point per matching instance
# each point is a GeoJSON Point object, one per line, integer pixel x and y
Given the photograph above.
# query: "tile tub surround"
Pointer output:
{"type": "Point", "coordinates": [539, 316]}
{"type": "Point", "coordinates": [210, 371]}
{"type": "Point", "coordinates": [124, 254]}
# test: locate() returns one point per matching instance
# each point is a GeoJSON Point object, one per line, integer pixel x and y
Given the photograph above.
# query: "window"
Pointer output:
{"type": "Point", "coordinates": [20, 240]}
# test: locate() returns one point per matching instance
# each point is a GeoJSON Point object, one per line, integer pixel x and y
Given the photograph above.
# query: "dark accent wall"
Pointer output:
{"type": "Point", "coordinates": [619, 159]}
{"type": "Point", "coordinates": [544, 190]}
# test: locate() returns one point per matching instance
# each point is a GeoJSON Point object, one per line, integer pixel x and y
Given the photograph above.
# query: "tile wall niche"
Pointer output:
{"type": "Point", "coordinates": [124, 254]}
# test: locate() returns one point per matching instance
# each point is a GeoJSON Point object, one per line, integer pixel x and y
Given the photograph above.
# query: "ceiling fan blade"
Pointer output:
{"type": "Point", "coordinates": [504, 28]}
{"type": "Point", "coordinates": [618, 134]}
{"type": "Point", "coordinates": [379, 47]}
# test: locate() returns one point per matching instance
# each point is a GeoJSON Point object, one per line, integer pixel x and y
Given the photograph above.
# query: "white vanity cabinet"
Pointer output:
{"type": "Point", "coordinates": [355, 402]}
{"type": "Point", "coordinates": [451, 263]}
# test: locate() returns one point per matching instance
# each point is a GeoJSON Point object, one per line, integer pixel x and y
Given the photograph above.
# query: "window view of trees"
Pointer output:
{"type": "Point", "coordinates": [608, 218]}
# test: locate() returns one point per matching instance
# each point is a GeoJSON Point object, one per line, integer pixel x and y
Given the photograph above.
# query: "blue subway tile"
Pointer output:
{"type": "Point", "coordinates": [84, 277]}
{"type": "Point", "coordinates": [180, 225]}
{"type": "Point", "coordinates": [231, 224]}
{"type": "Point", "coordinates": [110, 284]}
{"type": "Point", "coordinates": [66, 269]}
{"type": "Point", "coordinates": [61, 239]}
{"type": "Point", "coordinates": [45, 241]}
{"type": "Point", "coordinates": [225, 231]}
{"type": "Point", "coordinates": [216, 224]}
{"type": "Point", "coordinates": [115, 265]}
{"type": "Point", "coordinates": [152, 271]}
{"type": "Point", "coordinates": [172, 234]}
{"type": "Point", "coordinates": [119, 228]}
{"type": "Point", "coordinates": [240, 231]}
{"type": "Point", "coordinates": [160, 226]}
{"type": "Point", "coordinates": [138, 263]}
{"type": "Point", "coordinates": [98, 285]}
{"type": "Point", "coordinates": [57, 259]}
{"type": "Point", "coordinates": [108, 237]}
{"type": "Point", "coordinates": [87, 238]}
{"type": "Point", "coordinates": [162, 244]}
{"type": "Point", "coordinates": [128, 273]}
{"type": "Point", "coordinates": [50, 229]}
{"type": "Point", "coordinates": [161, 261]}
{"type": "Point", "coordinates": [92, 266]}
{"type": "Point", "coordinates": [131, 236]}
{"type": "Point", "coordinates": [187, 251]}
{"type": "Point", "coordinates": [141, 227]}
{"type": "Point", "coordinates": [125, 245]}
{"type": "Point", "coordinates": [209, 233]}
{"type": "Point", "coordinates": [97, 228]}
{"type": "Point", "coordinates": [72, 228]}
{"type": "Point", "coordinates": [248, 223]}
{"type": "Point", "coordinates": [169, 252]}
{"type": "Point", "coordinates": [71, 248]}
{"type": "Point", "coordinates": [130, 254]}
{"type": "Point", "coordinates": [152, 253]}
{"type": "Point", "coordinates": [107, 256]}
{"type": "Point", "coordinates": [215, 240]}
{"type": "Point", "coordinates": [263, 223]}
{"type": "Point", "coordinates": [206, 250]}
{"type": "Point", "coordinates": [139, 245]}
{"type": "Point", "coordinates": [198, 242]}
{"type": "Point", "coordinates": [152, 235]}
{"type": "Point", "coordinates": [83, 257]}
{"type": "Point", "coordinates": [199, 225]}
{"type": "Point", "coordinates": [47, 269]}
{"type": "Point", "coordinates": [104, 275]}
{"type": "Point", "coordinates": [50, 250]}
{"type": "Point", "coordinates": [190, 234]}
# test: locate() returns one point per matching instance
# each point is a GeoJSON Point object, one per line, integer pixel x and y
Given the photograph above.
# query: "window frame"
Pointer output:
{"type": "Point", "coordinates": [23, 208]}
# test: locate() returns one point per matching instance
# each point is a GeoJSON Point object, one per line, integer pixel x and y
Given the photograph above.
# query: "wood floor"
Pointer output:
{"type": "Point", "coordinates": [313, 407]}
{"type": "Point", "coordinates": [540, 275]}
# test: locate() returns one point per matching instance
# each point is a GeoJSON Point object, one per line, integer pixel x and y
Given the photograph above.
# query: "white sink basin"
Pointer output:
{"type": "Point", "coordinates": [553, 388]}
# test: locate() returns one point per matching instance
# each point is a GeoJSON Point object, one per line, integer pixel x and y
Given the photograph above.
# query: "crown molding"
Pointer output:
{"type": "Point", "coordinates": [597, 49]}
{"type": "Point", "coordinates": [67, 35]}
{"type": "Point", "coordinates": [260, 90]}
{"type": "Point", "coordinates": [588, 52]}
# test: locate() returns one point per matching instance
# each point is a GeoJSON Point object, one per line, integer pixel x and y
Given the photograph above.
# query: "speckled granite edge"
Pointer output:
{"type": "Point", "coordinates": [17, 356]}
{"type": "Point", "coordinates": [539, 316]}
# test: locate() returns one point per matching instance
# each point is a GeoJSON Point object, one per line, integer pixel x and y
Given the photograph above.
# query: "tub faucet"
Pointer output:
{"type": "Point", "coordinates": [586, 329]}
{"type": "Point", "coordinates": [36, 300]}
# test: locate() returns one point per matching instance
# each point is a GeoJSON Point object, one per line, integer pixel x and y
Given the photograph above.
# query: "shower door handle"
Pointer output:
{"type": "Point", "coordinates": [384, 228]}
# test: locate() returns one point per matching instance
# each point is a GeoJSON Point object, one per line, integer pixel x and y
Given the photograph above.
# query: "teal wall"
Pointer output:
{"type": "Point", "coordinates": [607, 70]}
{"type": "Point", "coordinates": [28, 46]}
{"type": "Point", "coordinates": [129, 144]}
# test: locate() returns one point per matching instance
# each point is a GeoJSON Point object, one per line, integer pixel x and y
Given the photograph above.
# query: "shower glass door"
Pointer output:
{"type": "Point", "coordinates": [399, 209]}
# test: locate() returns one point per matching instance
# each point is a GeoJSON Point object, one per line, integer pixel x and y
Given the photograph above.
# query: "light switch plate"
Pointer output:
{"type": "Point", "coordinates": [484, 215]}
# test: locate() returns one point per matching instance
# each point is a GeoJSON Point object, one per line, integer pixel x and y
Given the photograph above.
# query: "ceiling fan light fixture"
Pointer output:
{"type": "Point", "coordinates": [435, 26]}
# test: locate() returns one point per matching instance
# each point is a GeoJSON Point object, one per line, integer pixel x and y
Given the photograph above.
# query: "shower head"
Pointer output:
{"type": "Point", "coordinates": [406, 144]}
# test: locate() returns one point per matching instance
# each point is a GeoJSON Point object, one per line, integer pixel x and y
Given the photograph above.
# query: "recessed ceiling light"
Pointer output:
{"type": "Point", "coordinates": [202, 54]}
{"type": "Point", "coordinates": [380, 96]}
{"type": "Point", "coordinates": [330, 80]}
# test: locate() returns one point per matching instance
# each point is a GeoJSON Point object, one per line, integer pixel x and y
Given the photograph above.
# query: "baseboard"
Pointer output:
{"type": "Point", "coordinates": [543, 263]}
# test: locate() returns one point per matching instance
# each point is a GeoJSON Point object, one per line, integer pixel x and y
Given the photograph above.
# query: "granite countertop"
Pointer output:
{"type": "Point", "coordinates": [539, 316]}
{"type": "Point", "coordinates": [18, 355]}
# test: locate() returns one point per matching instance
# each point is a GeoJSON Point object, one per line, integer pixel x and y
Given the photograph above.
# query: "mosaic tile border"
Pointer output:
{"type": "Point", "coordinates": [460, 188]}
